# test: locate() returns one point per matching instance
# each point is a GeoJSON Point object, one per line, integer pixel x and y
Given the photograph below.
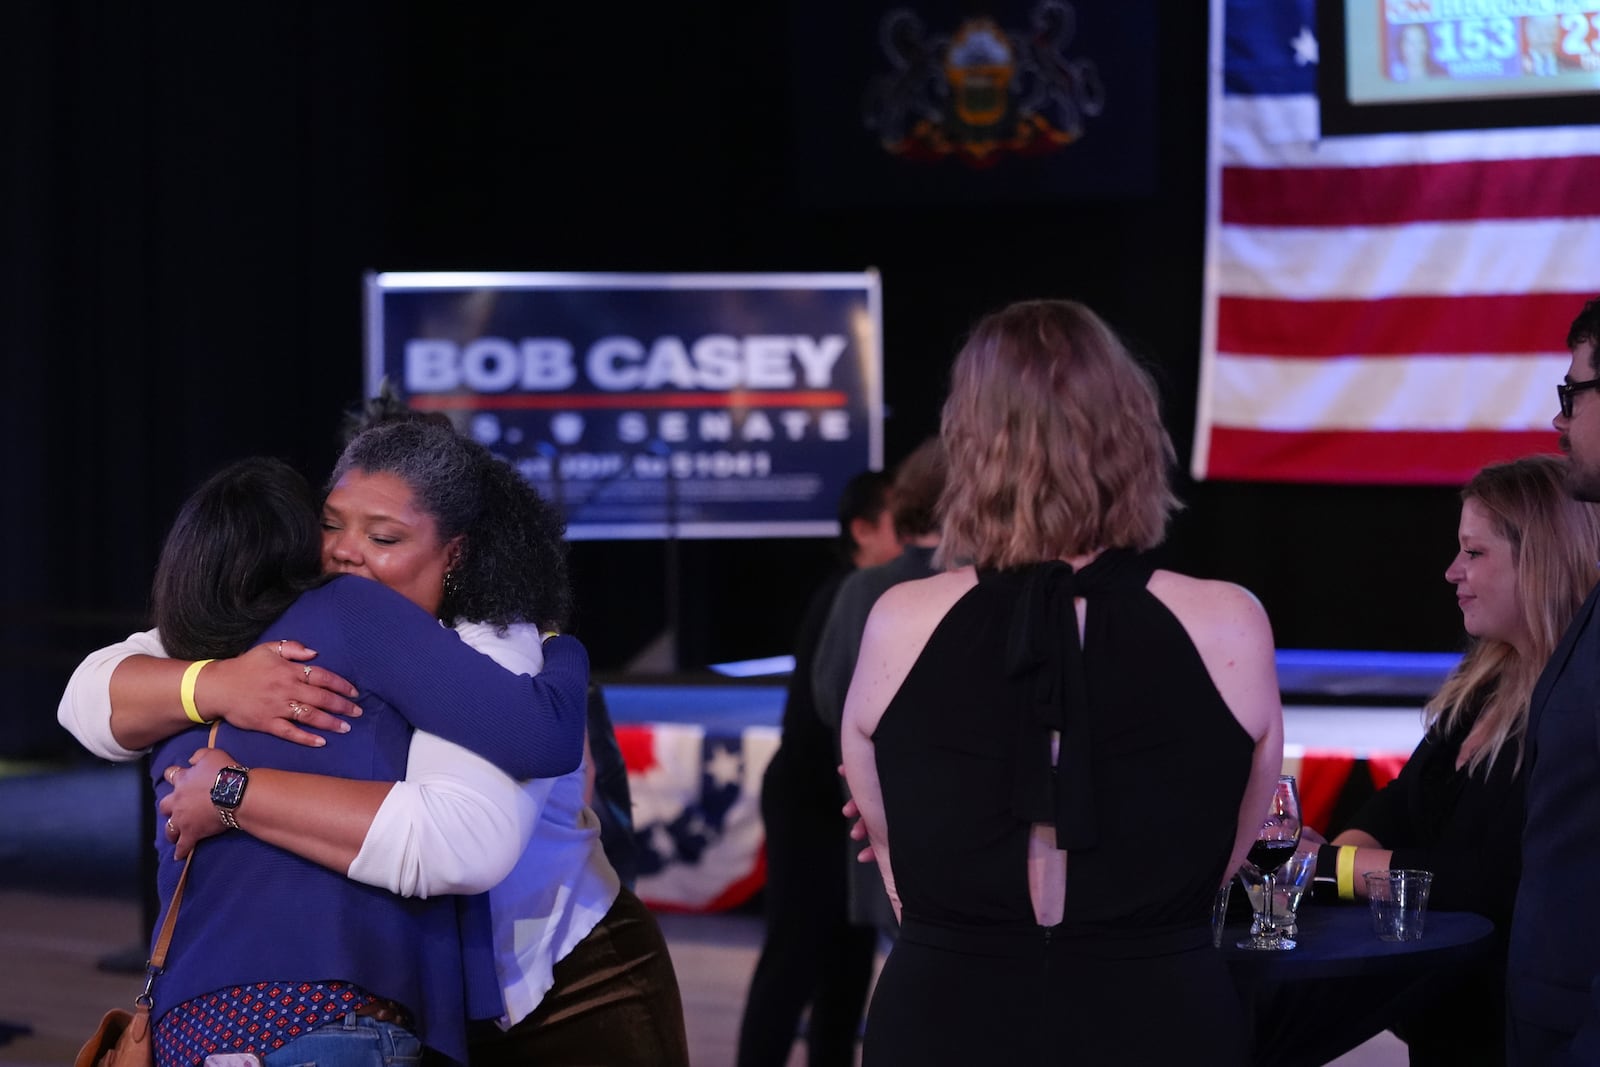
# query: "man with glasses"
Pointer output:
{"type": "Point", "coordinates": [1577, 423]}
{"type": "Point", "coordinates": [1553, 967]}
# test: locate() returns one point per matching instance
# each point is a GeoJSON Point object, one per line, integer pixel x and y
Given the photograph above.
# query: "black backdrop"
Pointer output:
{"type": "Point", "coordinates": [193, 194]}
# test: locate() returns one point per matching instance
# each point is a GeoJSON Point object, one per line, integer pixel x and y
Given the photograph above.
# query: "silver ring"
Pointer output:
{"type": "Point", "coordinates": [308, 672]}
{"type": "Point", "coordinates": [297, 708]}
{"type": "Point", "coordinates": [280, 648]}
{"type": "Point", "coordinates": [172, 828]}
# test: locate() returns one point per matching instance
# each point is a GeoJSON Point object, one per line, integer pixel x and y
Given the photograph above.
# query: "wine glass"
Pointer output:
{"type": "Point", "coordinates": [1275, 842]}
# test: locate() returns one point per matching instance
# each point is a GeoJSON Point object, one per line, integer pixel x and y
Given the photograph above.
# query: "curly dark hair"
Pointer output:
{"type": "Point", "coordinates": [513, 565]}
{"type": "Point", "coordinates": [243, 547]}
{"type": "Point", "coordinates": [383, 406]}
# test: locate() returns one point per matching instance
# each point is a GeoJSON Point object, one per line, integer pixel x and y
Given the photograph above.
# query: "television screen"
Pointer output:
{"type": "Point", "coordinates": [1442, 64]}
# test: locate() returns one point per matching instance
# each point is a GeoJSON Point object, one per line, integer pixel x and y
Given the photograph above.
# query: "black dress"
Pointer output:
{"type": "Point", "coordinates": [1466, 829]}
{"type": "Point", "coordinates": [1145, 800]}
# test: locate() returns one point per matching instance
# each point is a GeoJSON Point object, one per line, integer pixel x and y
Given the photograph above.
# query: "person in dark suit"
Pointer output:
{"type": "Point", "coordinates": [918, 482]}
{"type": "Point", "coordinates": [1553, 964]}
{"type": "Point", "coordinates": [812, 954]}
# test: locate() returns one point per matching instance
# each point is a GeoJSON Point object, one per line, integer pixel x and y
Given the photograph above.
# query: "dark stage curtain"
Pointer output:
{"type": "Point", "coordinates": [193, 194]}
{"type": "Point", "coordinates": [187, 213]}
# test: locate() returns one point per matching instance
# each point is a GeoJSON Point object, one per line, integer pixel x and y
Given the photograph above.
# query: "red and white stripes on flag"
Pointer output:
{"type": "Point", "coordinates": [1379, 309]}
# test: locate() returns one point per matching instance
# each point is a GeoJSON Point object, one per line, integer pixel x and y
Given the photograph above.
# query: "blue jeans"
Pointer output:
{"type": "Point", "coordinates": [355, 1041]}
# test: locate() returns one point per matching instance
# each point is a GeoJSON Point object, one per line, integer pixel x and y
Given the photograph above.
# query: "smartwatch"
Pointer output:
{"type": "Point", "coordinates": [227, 791]}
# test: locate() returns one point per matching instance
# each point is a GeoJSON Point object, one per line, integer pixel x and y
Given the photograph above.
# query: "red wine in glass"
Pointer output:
{"type": "Point", "coordinates": [1270, 855]}
{"type": "Point", "coordinates": [1275, 842]}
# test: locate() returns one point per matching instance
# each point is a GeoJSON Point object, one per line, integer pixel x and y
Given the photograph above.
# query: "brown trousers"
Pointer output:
{"type": "Point", "coordinates": [615, 1004]}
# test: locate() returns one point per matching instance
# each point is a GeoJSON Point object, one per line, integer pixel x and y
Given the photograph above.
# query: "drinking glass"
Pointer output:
{"type": "Point", "coordinates": [1291, 880]}
{"type": "Point", "coordinates": [1275, 842]}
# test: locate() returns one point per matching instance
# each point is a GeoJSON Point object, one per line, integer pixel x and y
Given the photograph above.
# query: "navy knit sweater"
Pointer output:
{"type": "Point", "coordinates": [253, 912]}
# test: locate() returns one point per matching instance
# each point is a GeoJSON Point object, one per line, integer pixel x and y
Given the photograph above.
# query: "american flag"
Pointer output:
{"type": "Point", "coordinates": [1378, 309]}
{"type": "Point", "coordinates": [697, 811]}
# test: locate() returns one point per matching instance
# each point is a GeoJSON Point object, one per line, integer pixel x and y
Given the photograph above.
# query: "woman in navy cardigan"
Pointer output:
{"type": "Point", "coordinates": [584, 971]}
{"type": "Point", "coordinates": [276, 955]}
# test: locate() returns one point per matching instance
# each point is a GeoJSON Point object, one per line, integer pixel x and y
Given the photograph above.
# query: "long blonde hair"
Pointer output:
{"type": "Point", "coordinates": [1555, 542]}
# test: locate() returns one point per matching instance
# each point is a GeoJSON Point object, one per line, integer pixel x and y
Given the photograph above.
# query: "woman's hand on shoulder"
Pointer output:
{"type": "Point", "coordinates": [273, 689]}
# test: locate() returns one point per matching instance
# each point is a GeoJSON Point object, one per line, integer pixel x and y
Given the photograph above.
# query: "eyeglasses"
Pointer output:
{"type": "Point", "coordinates": [1564, 391]}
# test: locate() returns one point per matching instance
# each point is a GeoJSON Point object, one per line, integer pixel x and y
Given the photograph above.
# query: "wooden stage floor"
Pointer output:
{"type": "Point", "coordinates": [49, 979]}
{"type": "Point", "coordinates": [69, 898]}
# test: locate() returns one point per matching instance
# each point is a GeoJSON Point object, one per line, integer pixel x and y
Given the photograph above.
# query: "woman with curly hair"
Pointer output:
{"type": "Point", "coordinates": [583, 971]}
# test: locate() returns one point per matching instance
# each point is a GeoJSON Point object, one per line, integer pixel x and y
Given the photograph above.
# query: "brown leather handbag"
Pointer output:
{"type": "Point", "coordinates": [123, 1038]}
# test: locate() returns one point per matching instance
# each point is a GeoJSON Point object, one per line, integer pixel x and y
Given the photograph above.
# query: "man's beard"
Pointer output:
{"type": "Point", "coordinates": [1582, 481]}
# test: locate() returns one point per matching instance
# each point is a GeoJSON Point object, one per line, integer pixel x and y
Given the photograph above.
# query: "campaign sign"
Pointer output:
{"type": "Point", "coordinates": [649, 405]}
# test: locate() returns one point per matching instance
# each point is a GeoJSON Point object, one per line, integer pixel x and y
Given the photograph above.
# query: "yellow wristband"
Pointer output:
{"type": "Point", "coordinates": [1345, 872]}
{"type": "Point", "coordinates": [186, 690]}
{"type": "Point", "coordinates": [548, 634]}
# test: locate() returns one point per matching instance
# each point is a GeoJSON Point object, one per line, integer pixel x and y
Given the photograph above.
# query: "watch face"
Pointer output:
{"type": "Point", "coordinates": [228, 789]}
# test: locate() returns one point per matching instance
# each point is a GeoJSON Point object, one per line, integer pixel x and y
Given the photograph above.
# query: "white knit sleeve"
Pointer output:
{"type": "Point", "coordinates": [85, 708]}
{"type": "Point", "coordinates": [457, 823]}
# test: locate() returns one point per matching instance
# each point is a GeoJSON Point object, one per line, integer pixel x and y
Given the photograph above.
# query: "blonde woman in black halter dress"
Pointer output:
{"type": "Point", "coordinates": [1060, 753]}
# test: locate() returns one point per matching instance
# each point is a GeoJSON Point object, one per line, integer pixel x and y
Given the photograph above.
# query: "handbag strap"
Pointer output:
{"type": "Point", "coordinates": [158, 954]}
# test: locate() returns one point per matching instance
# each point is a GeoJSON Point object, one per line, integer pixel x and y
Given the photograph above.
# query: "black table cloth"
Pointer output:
{"type": "Point", "coordinates": [1342, 984]}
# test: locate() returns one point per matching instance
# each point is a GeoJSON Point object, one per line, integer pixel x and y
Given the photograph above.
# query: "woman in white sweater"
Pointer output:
{"type": "Point", "coordinates": [583, 969]}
